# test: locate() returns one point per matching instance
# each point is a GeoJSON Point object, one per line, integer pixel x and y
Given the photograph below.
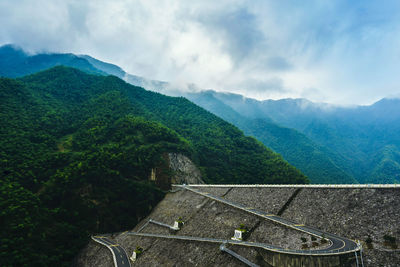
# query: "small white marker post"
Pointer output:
{"type": "Point", "coordinates": [175, 226]}
{"type": "Point", "coordinates": [133, 257]}
{"type": "Point", "coordinates": [136, 253]}
{"type": "Point", "coordinates": [237, 236]}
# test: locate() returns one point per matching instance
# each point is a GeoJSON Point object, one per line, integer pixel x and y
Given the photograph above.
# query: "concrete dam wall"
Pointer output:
{"type": "Point", "coordinates": [370, 215]}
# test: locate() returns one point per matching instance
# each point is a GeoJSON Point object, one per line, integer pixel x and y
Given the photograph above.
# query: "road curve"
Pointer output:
{"type": "Point", "coordinates": [119, 254]}
{"type": "Point", "coordinates": [230, 242]}
{"type": "Point", "coordinates": [338, 245]}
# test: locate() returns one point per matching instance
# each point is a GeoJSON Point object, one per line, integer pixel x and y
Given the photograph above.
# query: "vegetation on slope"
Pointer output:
{"type": "Point", "coordinates": [76, 151]}
{"type": "Point", "coordinates": [313, 160]}
{"type": "Point", "coordinates": [329, 144]}
{"type": "Point", "coordinates": [354, 139]}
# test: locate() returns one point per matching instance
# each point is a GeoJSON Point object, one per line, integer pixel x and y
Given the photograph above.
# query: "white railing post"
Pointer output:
{"type": "Point", "coordinates": [361, 249]}
{"type": "Point", "coordinates": [355, 252]}
{"type": "Point", "coordinates": [133, 257]}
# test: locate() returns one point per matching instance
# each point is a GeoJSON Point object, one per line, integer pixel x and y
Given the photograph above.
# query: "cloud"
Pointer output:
{"type": "Point", "coordinates": [347, 50]}
{"type": "Point", "coordinates": [264, 86]}
{"type": "Point", "coordinates": [278, 63]}
{"type": "Point", "coordinates": [237, 28]}
{"type": "Point", "coordinates": [262, 89]}
{"type": "Point", "coordinates": [42, 25]}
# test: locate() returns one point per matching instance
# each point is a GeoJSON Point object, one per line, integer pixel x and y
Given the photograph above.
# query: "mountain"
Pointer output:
{"type": "Point", "coordinates": [329, 144]}
{"type": "Point", "coordinates": [316, 174]}
{"type": "Point", "coordinates": [77, 151]}
{"type": "Point", "coordinates": [315, 161]}
{"type": "Point", "coordinates": [359, 136]}
{"type": "Point", "coordinates": [14, 62]}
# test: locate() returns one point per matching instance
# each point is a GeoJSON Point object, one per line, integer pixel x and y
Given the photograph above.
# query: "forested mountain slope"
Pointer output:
{"type": "Point", "coordinates": [365, 138]}
{"type": "Point", "coordinates": [77, 150]}
{"type": "Point", "coordinates": [329, 144]}
{"type": "Point", "coordinates": [299, 151]}
{"type": "Point", "coordinates": [317, 162]}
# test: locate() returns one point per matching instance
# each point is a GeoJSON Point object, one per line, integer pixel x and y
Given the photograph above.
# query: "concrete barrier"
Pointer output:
{"type": "Point", "coordinates": [372, 186]}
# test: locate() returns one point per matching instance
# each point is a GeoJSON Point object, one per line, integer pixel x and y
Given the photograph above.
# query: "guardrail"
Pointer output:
{"type": "Point", "coordinates": [375, 186]}
{"type": "Point", "coordinates": [163, 225]}
{"type": "Point", "coordinates": [122, 260]}
{"type": "Point", "coordinates": [248, 244]}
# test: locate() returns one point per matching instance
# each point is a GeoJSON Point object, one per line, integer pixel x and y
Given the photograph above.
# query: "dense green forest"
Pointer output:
{"type": "Point", "coordinates": [315, 161]}
{"type": "Point", "coordinates": [329, 144]}
{"type": "Point", "coordinates": [362, 141]}
{"type": "Point", "coordinates": [76, 152]}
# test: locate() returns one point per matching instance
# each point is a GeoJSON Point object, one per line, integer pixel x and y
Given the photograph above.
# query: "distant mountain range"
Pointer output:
{"type": "Point", "coordinates": [314, 160]}
{"type": "Point", "coordinates": [363, 141]}
{"type": "Point", "coordinates": [329, 144]}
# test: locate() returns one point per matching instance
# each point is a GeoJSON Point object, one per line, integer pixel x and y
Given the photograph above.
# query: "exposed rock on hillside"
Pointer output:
{"type": "Point", "coordinates": [184, 170]}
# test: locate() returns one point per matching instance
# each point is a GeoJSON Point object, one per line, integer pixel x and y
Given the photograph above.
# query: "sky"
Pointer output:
{"type": "Point", "coordinates": [341, 52]}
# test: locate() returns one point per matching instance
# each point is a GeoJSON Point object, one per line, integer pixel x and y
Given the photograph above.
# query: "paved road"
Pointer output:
{"type": "Point", "coordinates": [338, 245]}
{"type": "Point", "coordinates": [238, 243]}
{"type": "Point", "coordinates": [119, 254]}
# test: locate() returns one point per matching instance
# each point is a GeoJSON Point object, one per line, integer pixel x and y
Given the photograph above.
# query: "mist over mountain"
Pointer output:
{"type": "Point", "coordinates": [316, 161]}
{"type": "Point", "coordinates": [15, 62]}
{"type": "Point", "coordinates": [328, 143]}
{"type": "Point", "coordinates": [363, 138]}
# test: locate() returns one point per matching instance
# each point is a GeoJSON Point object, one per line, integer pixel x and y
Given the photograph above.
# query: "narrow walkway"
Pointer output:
{"type": "Point", "coordinates": [237, 256]}
{"type": "Point", "coordinates": [234, 242]}
{"type": "Point", "coordinates": [163, 225]}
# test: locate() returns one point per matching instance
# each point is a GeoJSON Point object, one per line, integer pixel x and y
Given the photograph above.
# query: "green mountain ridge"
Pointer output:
{"type": "Point", "coordinates": [14, 62]}
{"type": "Point", "coordinates": [345, 141]}
{"type": "Point", "coordinates": [357, 135]}
{"type": "Point", "coordinates": [315, 161]}
{"type": "Point", "coordinates": [267, 138]}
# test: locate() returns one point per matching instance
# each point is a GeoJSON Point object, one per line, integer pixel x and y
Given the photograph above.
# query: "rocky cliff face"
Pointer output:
{"type": "Point", "coordinates": [184, 170]}
{"type": "Point", "coordinates": [351, 213]}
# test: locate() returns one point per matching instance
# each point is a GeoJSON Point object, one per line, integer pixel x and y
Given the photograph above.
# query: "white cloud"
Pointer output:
{"type": "Point", "coordinates": [332, 51]}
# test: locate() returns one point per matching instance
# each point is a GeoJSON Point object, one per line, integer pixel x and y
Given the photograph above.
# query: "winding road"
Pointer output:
{"type": "Point", "coordinates": [339, 245]}
{"type": "Point", "coordinates": [119, 254]}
